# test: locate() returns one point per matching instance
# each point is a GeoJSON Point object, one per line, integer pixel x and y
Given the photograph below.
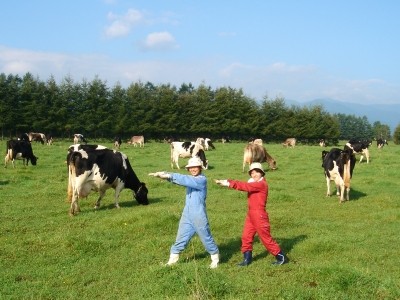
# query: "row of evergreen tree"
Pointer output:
{"type": "Point", "coordinates": [158, 111]}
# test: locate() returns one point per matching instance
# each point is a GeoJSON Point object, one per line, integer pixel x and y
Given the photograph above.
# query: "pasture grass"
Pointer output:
{"type": "Point", "coordinates": [336, 251]}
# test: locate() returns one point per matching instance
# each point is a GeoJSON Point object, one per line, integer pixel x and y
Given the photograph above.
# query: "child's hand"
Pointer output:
{"type": "Point", "coordinates": [222, 182]}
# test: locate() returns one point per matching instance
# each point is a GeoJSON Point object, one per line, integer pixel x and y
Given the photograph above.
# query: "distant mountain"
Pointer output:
{"type": "Point", "coordinates": [387, 114]}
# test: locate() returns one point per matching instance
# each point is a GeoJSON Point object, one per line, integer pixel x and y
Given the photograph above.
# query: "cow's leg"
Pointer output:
{"type": "Point", "coordinates": [176, 161]}
{"type": "Point", "coordinates": [74, 209]}
{"type": "Point", "coordinates": [5, 161]}
{"type": "Point", "coordinates": [328, 186]}
{"type": "Point", "coordinates": [361, 158]}
{"type": "Point", "coordinates": [118, 190]}
{"type": "Point", "coordinates": [342, 191]}
{"type": "Point", "coordinates": [366, 152]}
{"type": "Point", "coordinates": [97, 204]}
{"type": "Point", "coordinates": [338, 190]}
{"type": "Point", "coordinates": [347, 193]}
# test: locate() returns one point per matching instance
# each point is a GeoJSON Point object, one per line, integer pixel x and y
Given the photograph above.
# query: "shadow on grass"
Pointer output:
{"type": "Point", "coordinates": [231, 248]}
{"type": "Point", "coordinates": [4, 182]}
{"type": "Point", "coordinates": [356, 195]}
{"type": "Point", "coordinates": [129, 203]}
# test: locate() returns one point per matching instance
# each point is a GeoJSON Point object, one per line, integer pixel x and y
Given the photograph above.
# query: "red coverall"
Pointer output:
{"type": "Point", "coordinates": [257, 220]}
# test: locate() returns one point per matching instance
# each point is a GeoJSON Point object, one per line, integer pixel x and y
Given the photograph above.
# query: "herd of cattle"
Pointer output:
{"type": "Point", "coordinates": [95, 167]}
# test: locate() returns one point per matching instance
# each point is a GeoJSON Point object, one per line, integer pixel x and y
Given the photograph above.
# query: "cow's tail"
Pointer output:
{"type": "Point", "coordinates": [71, 176]}
{"type": "Point", "coordinates": [247, 157]}
{"type": "Point", "coordinates": [346, 172]}
{"type": "Point", "coordinates": [172, 155]}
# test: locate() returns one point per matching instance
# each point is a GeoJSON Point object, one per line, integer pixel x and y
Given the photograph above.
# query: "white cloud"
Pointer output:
{"type": "Point", "coordinates": [121, 25]}
{"type": "Point", "coordinates": [159, 41]}
{"type": "Point", "coordinates": [293, 82]}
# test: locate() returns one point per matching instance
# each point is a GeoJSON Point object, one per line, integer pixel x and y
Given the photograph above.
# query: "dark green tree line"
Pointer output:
{"type": "Point", "coordinates": [157, 111]}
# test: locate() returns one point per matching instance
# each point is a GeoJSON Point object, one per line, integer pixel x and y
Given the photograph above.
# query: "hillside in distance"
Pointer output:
{"type": "Point", "coordinates": [387, 114]}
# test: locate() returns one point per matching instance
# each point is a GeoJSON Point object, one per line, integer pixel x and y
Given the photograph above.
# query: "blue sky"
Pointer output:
{"type": "Point", "coordinates": [346, 50]}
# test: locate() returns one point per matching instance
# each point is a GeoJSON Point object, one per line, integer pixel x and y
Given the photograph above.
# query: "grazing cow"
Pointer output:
{"type": "Point", "coordinates": [338, 167]}
{"type": "Point", "coordinates": [257, 153]}
{"type": "Point", "coordinates": [19, 149]}
{"type": "Point", "coordinates": [95, 167]}
{"type": "Point", "coordinates": [117, 142]}
{"type": "Point", "coordinates": [137, 139]}
{"type": "Point", "coordinates": [322, 143]}
{"type": "Point", "coordinates": [255, 141]}
{"type": "Point", "coordinates": [185, 150]}
{"type": "Point", "coordinates": [79, 138]}
{"type": "Point", "coordinates": [359, 147]}
{"type": "Point", "coordinates": [208, 144]}
{"type": "Point", "coordinates": [381, 142]}
{"type": "Point", "coordinates": [37, 137]}
{"type": "Point", "coordinates": [290, 142]}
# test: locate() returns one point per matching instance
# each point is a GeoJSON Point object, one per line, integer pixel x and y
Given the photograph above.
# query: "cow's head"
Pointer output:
{"type": "Point", "coordinates": [141, 194]}
{"type": "Point", "coordinates": [272, 164]}
{"type": "Point", "coordinates": [34, 160]}
{"type": "Point", "coordinates": [202, 156]}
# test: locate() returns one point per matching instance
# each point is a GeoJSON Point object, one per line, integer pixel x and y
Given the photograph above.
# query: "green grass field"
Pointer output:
{"type": "Point", "coordinates": [336, 251]}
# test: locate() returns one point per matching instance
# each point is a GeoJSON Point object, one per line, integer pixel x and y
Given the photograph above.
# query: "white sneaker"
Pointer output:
{"type": "Point", "coordinates": [173, 259]}
{"type": "Point", "coordinates": [214, 261]}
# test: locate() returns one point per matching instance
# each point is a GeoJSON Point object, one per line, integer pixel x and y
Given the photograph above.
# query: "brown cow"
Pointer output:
{"type": "Point", "coordinates": [37, 137]}
{"type": "Point", "coordinates": [290, 142]}
{"type": "Point", "coordinates": [137, 139]}
{"type": "Point", "coordinates": [257, 153]}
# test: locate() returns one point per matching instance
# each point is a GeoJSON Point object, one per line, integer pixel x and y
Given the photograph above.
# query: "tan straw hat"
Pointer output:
{"type": "Point", "coordinates": [194, 162]}
{"type": "Point", "coordinates": [256, 166]}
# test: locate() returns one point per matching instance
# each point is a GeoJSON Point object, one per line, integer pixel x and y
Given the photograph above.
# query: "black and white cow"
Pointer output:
{"type": "Point", "coordinates": [49, 138]}
{"type": "Point", "coordinates": [359, 147]}
{"type": "Point", "coordinates": [95, 167]}
{"type": "Point", "coordinates": [19, 149]}
{"type": "Point", "coordinates": [381, 142]}
{"type": "Point", "coordinates": [24, 137]}
{"type": "Point", "coordinates": [117, 142]}
{"type": "Point", "coordinates": [208, 144]}
{"type": "Point", "coordinates": [338, 167]}
{"type": "Point", "coordinates": [79, 138]}
{"type": "Point", "coordinates": [185, 150]}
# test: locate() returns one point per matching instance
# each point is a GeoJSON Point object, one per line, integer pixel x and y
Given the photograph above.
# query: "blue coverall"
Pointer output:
{"type": "Point", "coordinates": [194, 216]}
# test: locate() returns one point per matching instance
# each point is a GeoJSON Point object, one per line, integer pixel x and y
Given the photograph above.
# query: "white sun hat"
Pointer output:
{"type": "Point", "coordinates": [194, 162]}
{"type": "Point", "coordinates": [256, 166]}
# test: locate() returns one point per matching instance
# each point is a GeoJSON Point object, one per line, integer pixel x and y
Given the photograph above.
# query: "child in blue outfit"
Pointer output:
{"type": "Point", "coordinates": [194, 216]}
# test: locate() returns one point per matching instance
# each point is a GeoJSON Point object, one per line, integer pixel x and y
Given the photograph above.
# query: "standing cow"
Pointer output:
{"type": "Point", "coordinates": [37, 137]}
{"type": "Point", "coordinates": [19, 149]}
{"type": "Point", "coordinates": [135, 140]}
{"type": "Point", "coordinates": [117, 142]}
{"type": "Point", "coordinates": [79, 138]}
{"type": "Point", "coordinates": [94, 167]}
{"type": "Point", "coordinates": [208, 144]}
{"type": "Point", "coordinates": [381, 142]}
{"type": "Point", "coordinates": [186, 150]}
{"type": "Point", "coordinates": [338, 167]}
{"type": "Point", "coordinates": [290, 142]}
{"type": "Point", "coordinates": [359, 147]}
{"type": "Point", "coordinates": [257, 153]}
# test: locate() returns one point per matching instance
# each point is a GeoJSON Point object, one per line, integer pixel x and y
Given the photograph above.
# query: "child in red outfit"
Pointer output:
{"type": "Point", "coordinates": [257, 220]}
